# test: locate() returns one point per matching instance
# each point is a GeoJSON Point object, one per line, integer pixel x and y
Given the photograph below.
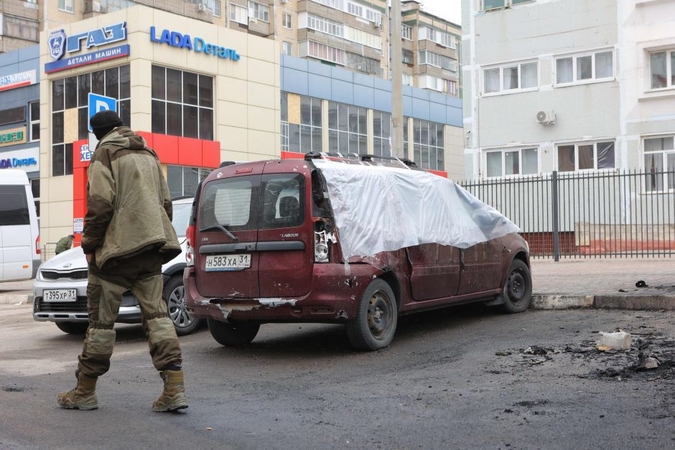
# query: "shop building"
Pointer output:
{"type": "Point", "coordinates": [20, 114]}
{"type": "Point", "coordinates": [200, 94]}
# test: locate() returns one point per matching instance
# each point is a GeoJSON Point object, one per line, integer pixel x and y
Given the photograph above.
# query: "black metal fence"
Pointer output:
{"type": "Point", "coordinates": [594, 214]}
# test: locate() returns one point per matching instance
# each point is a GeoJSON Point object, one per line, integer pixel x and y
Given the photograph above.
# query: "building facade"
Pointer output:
{"type": "Point", "coordinates": [201, 94]}
{"type": "Point", "coordinates": [352, 34]}
{"type": "Point", "coordinates": [568, 86]}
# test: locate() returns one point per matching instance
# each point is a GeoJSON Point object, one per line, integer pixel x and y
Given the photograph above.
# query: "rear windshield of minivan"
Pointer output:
{"type": "Point", "coordinates": [254, 202]}
{"type": "Point", "coordinates": [13, 205]}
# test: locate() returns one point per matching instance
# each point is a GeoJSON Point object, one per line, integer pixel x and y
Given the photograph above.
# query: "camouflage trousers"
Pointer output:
{"type": "Point", "coordinates": [142, 275]}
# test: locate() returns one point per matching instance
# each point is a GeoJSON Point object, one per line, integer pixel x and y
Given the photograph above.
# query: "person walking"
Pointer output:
{"type": "Point", "coordinates": [64, 244]}
{"type": "Point", "coordinates": [127, 237]}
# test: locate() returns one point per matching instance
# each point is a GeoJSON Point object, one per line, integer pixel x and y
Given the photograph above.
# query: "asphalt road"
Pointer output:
{"type": "Point", "coordinates": [460, 378]}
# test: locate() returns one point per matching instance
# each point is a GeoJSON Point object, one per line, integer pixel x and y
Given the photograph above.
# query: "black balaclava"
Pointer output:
{"type": "Point", "coordinates": [103, 122]}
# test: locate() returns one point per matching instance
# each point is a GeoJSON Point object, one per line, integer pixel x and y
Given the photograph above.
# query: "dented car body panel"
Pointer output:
{"type": "Point", "coordinates": [265, 248]}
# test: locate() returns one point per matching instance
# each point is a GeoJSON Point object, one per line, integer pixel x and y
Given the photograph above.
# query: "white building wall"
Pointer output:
{"type": "Point", "coordinates": [537, 31]}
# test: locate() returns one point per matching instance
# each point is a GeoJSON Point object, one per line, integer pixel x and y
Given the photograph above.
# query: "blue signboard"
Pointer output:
{"type": "Point", "coordinates": [98, 103]}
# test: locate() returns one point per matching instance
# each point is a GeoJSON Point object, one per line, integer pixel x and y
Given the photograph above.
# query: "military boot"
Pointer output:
{"type": "Point", "coordinates": [173, 397]}
{"type": "Point", "coordinates": [82, 397]}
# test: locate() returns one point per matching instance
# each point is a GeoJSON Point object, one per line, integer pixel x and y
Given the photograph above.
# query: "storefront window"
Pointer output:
{"type": "Point", "coordinates": [347, 128]}
{"type": "Point", "coordinates": [73, 93]}
{"type": "Point", "coordinates": [182, 103]}
{"type": "Point", "coordinates": [183, 181]}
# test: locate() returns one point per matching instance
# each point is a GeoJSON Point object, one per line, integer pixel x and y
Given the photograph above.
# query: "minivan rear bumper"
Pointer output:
{"type": "Point", "coordinates": [331, 298]}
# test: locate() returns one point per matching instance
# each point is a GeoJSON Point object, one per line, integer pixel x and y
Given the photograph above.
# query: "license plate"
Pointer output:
{"type": "Point", "coordinates": [60, 295]}
{"type": "Point", "coordinates": [227, 262]}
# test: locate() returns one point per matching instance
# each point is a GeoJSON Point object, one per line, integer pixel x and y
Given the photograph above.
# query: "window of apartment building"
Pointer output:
{"type": "Point", "coordinates": [407, 79]}
{"type": "Point", "coordinates": [347, 128]}
{"type": "Point", "coordinates": [66, 5]}
{"type": "Point", "coordinates": [586, 156]}
{"type": "Point", "coordinates": [434, 59]}
{"type": "Point", "coordinates": [511, 77]}
{"type": "Point", "coordinates": [495, 4]}
{"type": "Point", "coordinates": [323, 51]}
{"type": "Point", "coordinates": [381, 133]}
{"type": "Point", "coordinates": [584, 68]}
{"type": "Point", "coordinates": [287, 48]}
{"type": "Point", "coordinates": [217, 6]}
{"type": "Point", "coordinates": [408, 57]}
{"type": "Point", "coordinates": [363, 37]}
{"type": "Point", "coordinates": [428, 144]}
{"type": "Point", "coordinates": [182, 103]}
{"type": "Point", "coordinates": [355, 9]}
{"type": "Point", "coordinates": [325, 26]}
{"type": "Point", "coordinates": [438, 84]}
{"type": "Point", "coordinates": [183, 180]}
{"type": "Point", "coordinates": [286, 21]}
{"type": "Point", "coordinates": [521, 161]}
{"type": "Point", "coordinates": [659, 153]}
{"type": "Point", "coordinates": [238, 13]}
{"type": "Point", "coordinates": [72, 94]}
{"type": "Point", "coordinates": [662, 69]}
{"type": "Point", "coordinates": [306, 136]}
{"type": "Point", "coordinates": [34, 119]}
{"type": "Point", "coordinates": [440, 37]}
{"type": "Point", "coordinates": [259, 11]}
{"type": "Point", "coordinates": [337, 4]}
{"type": "Point", "coordinates": [406, 32]}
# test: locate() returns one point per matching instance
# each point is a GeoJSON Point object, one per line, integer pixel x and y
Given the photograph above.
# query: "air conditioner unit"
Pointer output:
{"type": "Point", "coordinates": [96, 7]}
{"type": "Point", "coordinates": [252, 20]}
{"type": "Point", "coordinates": [202, 7]}
{"type": "Point", "coordinates": [546, 117]}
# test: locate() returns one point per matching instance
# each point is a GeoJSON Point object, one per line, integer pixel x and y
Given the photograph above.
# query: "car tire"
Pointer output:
{"type": "Point", "coordinates": [517, 293]}
{"type": "Point", "coordinates": [375, 323]}
{"type": "Point", "coordinates": [174, 295]}
{"type": "Point", "coordinates": [233, 334]}
{"type": "Point", "coordinates": [73, 327]}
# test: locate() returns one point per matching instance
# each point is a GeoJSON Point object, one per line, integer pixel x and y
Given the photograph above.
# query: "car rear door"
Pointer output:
{"type": "Point", "coordinates": [285, 235]}
{"type": "Point", "coordinates": [481, 267]}
{"type": "Point", "coordinates": [434, 271]}
{"type": "Point", "coordinates": [227, 234]}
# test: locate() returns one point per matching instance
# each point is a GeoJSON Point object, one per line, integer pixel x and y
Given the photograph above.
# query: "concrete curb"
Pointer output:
{"type": "Point", "coordinates": [632, 302]}
{"type": "Point", "coordinates": [16, 299]}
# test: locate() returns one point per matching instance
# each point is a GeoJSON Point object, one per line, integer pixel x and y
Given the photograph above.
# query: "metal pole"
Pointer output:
{"type": "Point", "coordinates": [396, 58]}
{"type": "Point", "coordinates": [555, 203]}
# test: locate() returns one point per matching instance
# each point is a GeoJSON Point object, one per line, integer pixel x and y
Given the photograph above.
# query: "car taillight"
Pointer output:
{"type": "Point", "coordinates": [321, 243]}
{"type": "Point", "coordinates": [189, 253]}
{"type": "Point", "coordinates": [37, 245]}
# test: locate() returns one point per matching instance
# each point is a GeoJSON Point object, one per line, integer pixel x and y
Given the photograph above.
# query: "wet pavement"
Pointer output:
{"type": "Point", "coordinates": [623, 283]}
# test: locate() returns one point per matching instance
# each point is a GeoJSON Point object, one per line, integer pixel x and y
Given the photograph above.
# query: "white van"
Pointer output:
{"type": "Point", "coordinates": [19, 230]}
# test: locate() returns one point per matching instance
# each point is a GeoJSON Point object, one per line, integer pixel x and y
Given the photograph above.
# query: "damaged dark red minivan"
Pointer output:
{"type": "Point", "coordinates": [334, 240]}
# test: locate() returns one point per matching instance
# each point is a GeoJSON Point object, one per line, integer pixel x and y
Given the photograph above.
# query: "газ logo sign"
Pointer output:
{"type": "Point", "coordinates": [59, 44]}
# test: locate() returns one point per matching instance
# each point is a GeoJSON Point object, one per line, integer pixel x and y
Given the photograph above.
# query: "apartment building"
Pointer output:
{"type": "Point", "coordinates": [568, 86]}
{"type": "Point", "coordinates": [352, 34]}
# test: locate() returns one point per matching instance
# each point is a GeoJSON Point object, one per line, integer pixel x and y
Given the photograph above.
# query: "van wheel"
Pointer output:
{"type": "Point", "coordinates": [375, 323]}
{"type": "Point", "coordinates": [518, 288]}
{"type": "Point", "coordinates": [73, 327]}
{"type": "Point", "coordinates": [233, 334]}
{"type": "Point", "coordinates": [174, 294]}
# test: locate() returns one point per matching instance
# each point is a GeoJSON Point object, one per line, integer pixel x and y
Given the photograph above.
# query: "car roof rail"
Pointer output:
{"type": "Point", "coordinates": [351, 158]}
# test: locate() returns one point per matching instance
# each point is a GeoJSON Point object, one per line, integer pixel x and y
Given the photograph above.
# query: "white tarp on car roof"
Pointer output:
{"type": "Point", "coordinates": [383, 208]}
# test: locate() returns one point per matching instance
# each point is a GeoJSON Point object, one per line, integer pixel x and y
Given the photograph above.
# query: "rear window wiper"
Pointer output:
{"type": "Point", "coordinates": [221, 228]}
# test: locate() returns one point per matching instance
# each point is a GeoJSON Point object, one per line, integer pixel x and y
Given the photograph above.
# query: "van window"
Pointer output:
{"type": "Point", "coordinates": [13, 205]}
{"type": "Point", "coordinates": [283, 201]}
{"type": "Point", "coordinates": [248, 203]}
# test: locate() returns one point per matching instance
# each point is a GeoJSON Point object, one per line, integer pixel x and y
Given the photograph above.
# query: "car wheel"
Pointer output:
{"type": "Point", "coordinates": [518, 288]}
{"type": "Point", "coordinates": [73, 327]}
{"type": "Point", "coordinates": [233, 334]}
{"type": "Point", "coordinates": [375, 323]}
{"type": "Point", "coordinates": [174, 294]}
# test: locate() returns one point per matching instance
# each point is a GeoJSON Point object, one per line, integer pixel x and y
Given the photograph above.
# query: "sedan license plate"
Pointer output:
{"type": "Point", "coordinates": [60, 295]}
{"type": "Point", "coordinates": [227, 262]}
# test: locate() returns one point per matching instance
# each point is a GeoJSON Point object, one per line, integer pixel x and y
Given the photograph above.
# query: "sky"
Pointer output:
{"type": "Point", "coordinates": [445, 9]}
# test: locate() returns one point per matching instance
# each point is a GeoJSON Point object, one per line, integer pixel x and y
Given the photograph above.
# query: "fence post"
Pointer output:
{"type": "Point", "coordinates": [555, 204]}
